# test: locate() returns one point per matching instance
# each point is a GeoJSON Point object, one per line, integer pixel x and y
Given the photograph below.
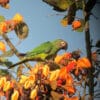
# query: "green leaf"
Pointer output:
{"type": "Point", "coordinates": [79, 4]}
{"type": "Point", "coordinates": [2, 18]}
{"type": "Point", "coordinates": [5, 62]}
{"type": "Point", "coordinates": [59, 5]}
{"type": "Point", "coordinates": [4, 72]}
{"type": "Point", "coordinates": [64, 4]}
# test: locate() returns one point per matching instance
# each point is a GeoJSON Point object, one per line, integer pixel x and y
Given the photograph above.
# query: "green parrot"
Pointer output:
{"type": "Point", "coordinates": [43, 52]}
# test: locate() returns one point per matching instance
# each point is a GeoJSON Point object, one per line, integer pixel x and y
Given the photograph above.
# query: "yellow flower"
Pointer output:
{"type": "Point", "coordinates": [23, 79]}
{"type": "Point", "coordinates": [2, 46]}
{"type": "Point", "coordinates": [34, 70]}
{"type": "Point", "coordinates": [27, 84]}
{"type": "Point", "coordinates": [45, 70]}
{"type": "Point", "coordinates": [15, 95]}
{"type": "Point", "coordinates": [58, 58]}
{"type": "Point", "coordinates": [64, 22]}
{"type": "Point", "coordinates": [31, 79]}
{"type": "Point", "coordinates": [54, 75]}
{"type": "Point", "coordinates": [18, 18]}
{"type": "Point", "coordinates": [2, 81]}
{"type": "Point", "coordinates": [33, 93]}
{"type": "Point", "coordinates": [7, 86]}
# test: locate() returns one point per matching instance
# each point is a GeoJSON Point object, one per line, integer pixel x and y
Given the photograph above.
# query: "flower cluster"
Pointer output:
{"type": "Point", "coordinates": [9, 25]}
{"type": "Point", "coordinates": [41, 82]}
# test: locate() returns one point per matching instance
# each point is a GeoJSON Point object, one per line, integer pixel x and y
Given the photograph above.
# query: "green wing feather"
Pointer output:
{"type": "Point", "coordinates": [41, 51]}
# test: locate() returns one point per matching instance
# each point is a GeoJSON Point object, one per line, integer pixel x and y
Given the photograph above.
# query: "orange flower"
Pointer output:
{"type": "Point", "coordinates": [69, 79]}
{"type": "Point", "coordinates": [83, 63]}
{"type": "Point", "coordinates": [2, 46]}
{"type": "Point", "coordinates": [67, 55]}
{"type": "Point", "coordinates": [76, 24]}
{"type": "Point", "coordinates": [11, 24]}
{"type": "Point", "coordinates": [3, 27]}
{"type": "Point", "coordinates": [71, 66]}
{"type": "Point", "coordinates": [71, 89]}
{"type": "Point", "coordinates": [63, 73]}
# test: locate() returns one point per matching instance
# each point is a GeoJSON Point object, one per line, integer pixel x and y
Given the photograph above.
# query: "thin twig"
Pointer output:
{"type": "Point", "coordinates": [14, 49]}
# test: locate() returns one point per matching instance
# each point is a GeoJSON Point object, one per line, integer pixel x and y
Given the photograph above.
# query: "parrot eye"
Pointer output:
{"type": "Point", "coordinates": [63, 43]}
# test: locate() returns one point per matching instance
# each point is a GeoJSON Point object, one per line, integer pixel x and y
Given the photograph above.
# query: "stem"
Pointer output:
{"type": "Point", "coordinates": [14, 49]}
{"type": "Point", "coordinates": [88, 48]}
{"type": "Point", "coordinates": [91, 70]}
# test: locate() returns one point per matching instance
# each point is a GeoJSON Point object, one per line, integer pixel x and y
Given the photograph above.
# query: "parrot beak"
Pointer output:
{"type": "Point", "coordinates": [65, 47]}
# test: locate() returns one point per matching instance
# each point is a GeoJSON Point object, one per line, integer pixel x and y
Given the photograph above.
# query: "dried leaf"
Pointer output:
{"type": "Point", "coordinates": [21, 30]}
{"type": "Point", "coordinates": [8, 53]}
{"type": "Point", "coordinates": [71, 13]}
{"type": "Point", "coordinates": [53, 84]}
{"type": "Point", "coordinates": [56, 96]}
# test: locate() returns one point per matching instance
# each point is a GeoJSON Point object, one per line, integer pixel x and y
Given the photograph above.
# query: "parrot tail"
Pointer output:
{"type": "Point", "coordinates": [22, 54]}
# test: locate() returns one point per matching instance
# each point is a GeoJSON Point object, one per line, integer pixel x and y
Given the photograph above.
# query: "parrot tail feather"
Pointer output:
{"type": "Point", "coordinates": [22, 54]}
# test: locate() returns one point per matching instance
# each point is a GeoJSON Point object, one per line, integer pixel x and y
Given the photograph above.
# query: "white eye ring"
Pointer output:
{"type": "Point", "coordinates": [63, 43]}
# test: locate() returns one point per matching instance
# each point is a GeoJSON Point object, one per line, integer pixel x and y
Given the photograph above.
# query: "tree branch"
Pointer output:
{"type": "Point", "coordinates": [14, 49]}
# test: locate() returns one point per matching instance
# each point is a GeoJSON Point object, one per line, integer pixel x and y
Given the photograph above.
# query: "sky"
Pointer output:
{"type": "Point", "coordinates": [44, 25]}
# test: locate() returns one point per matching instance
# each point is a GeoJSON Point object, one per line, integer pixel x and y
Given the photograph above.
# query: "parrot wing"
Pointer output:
{"type": "Point", "coordinates": [43, 48]}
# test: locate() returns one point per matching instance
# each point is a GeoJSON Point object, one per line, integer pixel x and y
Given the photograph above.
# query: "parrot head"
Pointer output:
{"type": "Point", "coordinates": [61, 44]}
